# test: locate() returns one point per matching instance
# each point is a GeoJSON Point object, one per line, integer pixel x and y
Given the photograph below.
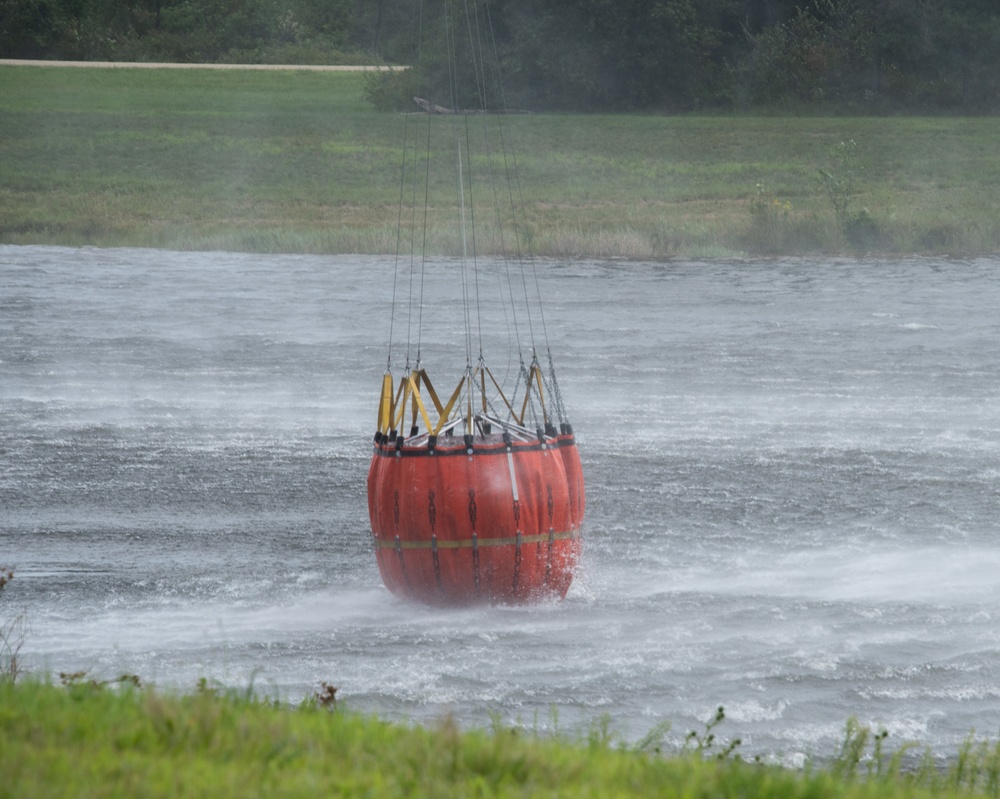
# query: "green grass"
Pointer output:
{"type": "Point", "coordinates": [298, 162]}
{"type": "Point", "coordinates": [80, 741]}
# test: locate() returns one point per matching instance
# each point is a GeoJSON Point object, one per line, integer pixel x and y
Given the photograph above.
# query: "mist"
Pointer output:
{"type": "Point", "coordinates": [790, 469]}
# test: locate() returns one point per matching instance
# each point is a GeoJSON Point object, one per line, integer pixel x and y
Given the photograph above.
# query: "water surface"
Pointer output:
{"type": "Point", "coordinates": [792, 471]}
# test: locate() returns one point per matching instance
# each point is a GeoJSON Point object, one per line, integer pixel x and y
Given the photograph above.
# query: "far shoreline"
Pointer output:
{"type": "Point", "coordinates": [17, 62]}
{"type": "Point", "coordinates": [296, 159]}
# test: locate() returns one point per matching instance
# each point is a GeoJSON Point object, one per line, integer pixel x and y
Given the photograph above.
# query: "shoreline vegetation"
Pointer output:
{"type": "Point", "coordinates": [119, 737]}
{"type": "Point", "coordinates": [89, 738]}
{"type": "Point", "coordinates": [299, 161]}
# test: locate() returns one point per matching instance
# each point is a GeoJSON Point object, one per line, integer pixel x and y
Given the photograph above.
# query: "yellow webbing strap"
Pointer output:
{"type": "Point", "coordinates": [446, 411]}
{"type": "Point", "coordinates": [534, 376]}
{"type": "Point", "coordinates": [425, 379]}
{"type": "Point", "coordinates": [401, 397]}
{"type": "Point", "coordinates": [385, 405]}
{"type": "Point", "coordinates": [392, 409]}
{"type": "Point", "coordinates": [418, 401]}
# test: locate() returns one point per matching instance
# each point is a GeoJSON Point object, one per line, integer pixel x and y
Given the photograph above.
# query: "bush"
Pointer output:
{"type": "Point", "coordinates": [12, 634]}
{"type": "Point", "coordinates": [390, 89]}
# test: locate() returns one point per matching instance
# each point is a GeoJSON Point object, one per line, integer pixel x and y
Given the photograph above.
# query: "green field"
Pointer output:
{"type": "Point", "coordinates": [81, 740]}
{"type": "Point", "coordinates": [294, 161]}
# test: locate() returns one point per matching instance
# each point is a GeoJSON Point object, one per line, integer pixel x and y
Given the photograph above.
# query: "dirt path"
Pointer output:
{"type": "Point", "coordinates": [145, 65]}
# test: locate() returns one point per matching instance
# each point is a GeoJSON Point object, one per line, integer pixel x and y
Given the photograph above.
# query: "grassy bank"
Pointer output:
{"type": "Point", "coordinates": [298, 162]}
{"type": "Point", "coordinates": [84, 741]}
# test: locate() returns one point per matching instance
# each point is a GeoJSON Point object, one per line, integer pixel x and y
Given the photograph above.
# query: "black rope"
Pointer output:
{"type": "Point", "coordinates": [418, 21]}
{"type": "Point", "coordinates": [513, 264]}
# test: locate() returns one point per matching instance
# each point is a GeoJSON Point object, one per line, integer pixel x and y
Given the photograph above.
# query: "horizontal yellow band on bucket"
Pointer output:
{"type": "Point", "coordinates": [468, 543]}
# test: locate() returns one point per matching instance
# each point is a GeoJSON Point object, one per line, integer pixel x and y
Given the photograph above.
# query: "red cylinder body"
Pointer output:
{"type": "Point", "coordinates": [497, 521]}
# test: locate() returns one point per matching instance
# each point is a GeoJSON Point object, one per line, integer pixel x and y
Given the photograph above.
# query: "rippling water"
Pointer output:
{"type": "Point", "coordinates": [792, 472]}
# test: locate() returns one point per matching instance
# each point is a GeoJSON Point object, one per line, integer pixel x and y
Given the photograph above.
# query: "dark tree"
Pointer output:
{"type": "Point", "coordinates": [604, 55]}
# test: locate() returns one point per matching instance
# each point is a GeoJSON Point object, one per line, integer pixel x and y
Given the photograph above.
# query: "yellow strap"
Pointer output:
{"type": "Point", "coordinates": [392, 410]}
{"type": "Point", "coordinates": [537, 370]}
{"type": "Point", "coordinates": [533, 377]}
{"type": "Point", "coordinates": [482, 386]}
{"type": "Point", "coordinates": [446, 411]}
{"type": "Point", "coordinates": [425, 379]}
{"type": "Point", "coordinates": [385, 406]}
{"type": "Point", "coordinates": [401, 398]}
{"type": "Point", "coordinates": [415, 391]}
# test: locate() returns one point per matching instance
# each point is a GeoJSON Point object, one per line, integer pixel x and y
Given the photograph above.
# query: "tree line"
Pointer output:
{"type": "Point", "coordinates": [872, 56]}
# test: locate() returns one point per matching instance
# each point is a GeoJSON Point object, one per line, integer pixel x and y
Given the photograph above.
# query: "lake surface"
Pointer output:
{"type": "Point", "coordinates": [792, 470]}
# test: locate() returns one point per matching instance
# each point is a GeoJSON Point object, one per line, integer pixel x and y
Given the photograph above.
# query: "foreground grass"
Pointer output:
{"type": "Point", "coordinates": [83, 741]}
{"type": "Point", "coordinates": [298, 162]}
